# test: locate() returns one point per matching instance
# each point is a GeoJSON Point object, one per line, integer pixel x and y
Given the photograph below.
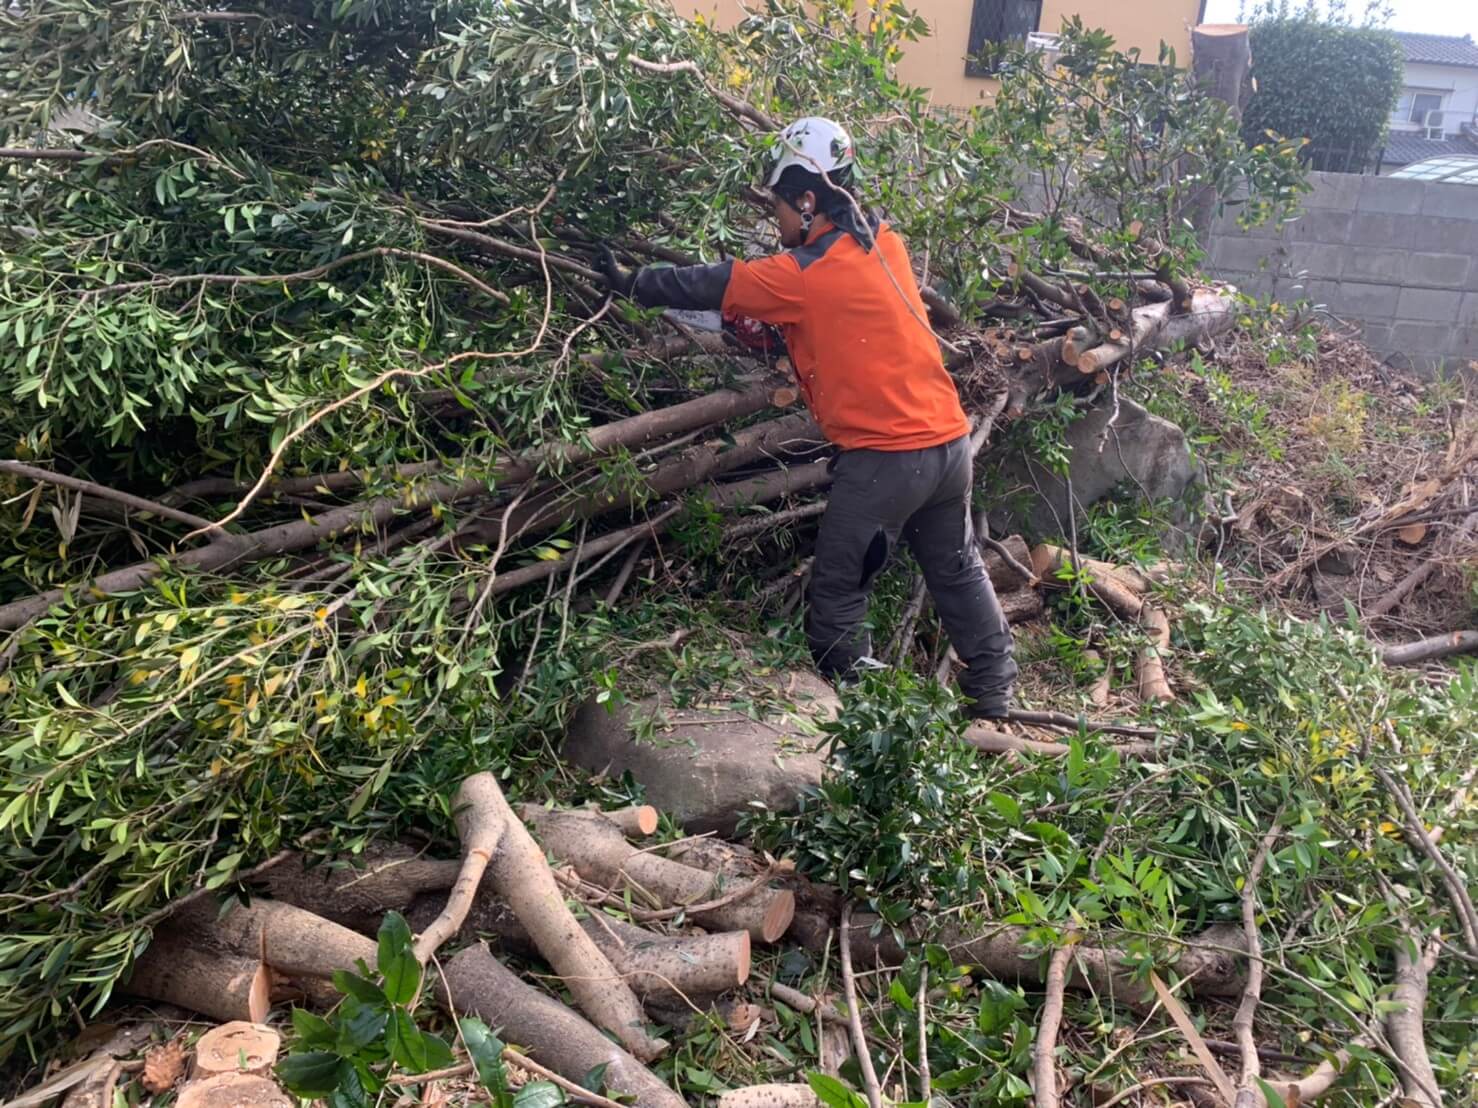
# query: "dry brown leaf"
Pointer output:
{"type": "Point", "coordinates": [1412, 533]}
{"type": "Point", "coordinates": [164, 1065]}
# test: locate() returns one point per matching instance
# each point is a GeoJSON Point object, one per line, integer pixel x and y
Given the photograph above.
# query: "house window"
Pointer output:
{"type": "Point", "coordinates": [1416, 107]}
{"type": "Point", "coordinates": [998, 21]}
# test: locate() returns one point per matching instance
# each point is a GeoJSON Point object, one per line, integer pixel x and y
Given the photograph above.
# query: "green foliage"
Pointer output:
{"type": "Point", "coordinates": [370, 1040]}
{"type": "Point", "coordinates": [247, 266]}
{"type": "Point", "coordinates": [1330, 85]}
{"type": "Point", "coordinates": [883, 824]}
{"type": "Point", "coordinates": [1284, 726]}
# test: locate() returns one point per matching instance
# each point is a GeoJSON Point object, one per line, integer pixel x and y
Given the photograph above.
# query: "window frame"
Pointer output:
{"type": "Point", "coordinates": [978, 36]}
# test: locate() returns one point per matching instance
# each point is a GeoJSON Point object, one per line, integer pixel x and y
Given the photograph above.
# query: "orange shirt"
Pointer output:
{"type": "Point", "coordinates": [865, 360]}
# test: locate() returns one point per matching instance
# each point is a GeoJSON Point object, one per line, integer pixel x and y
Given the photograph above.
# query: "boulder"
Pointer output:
{"type": "Point", "coordinates": [706, 765]}
{"type": "Point", "coordinates": [1143, 452]}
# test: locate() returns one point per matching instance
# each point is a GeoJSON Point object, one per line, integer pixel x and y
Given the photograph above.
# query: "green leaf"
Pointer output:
{"type": "Point", "coordinates": [539, 1094]}
{"type": "Point", "coordinates": [438, 1052]}
{"type": "Point", "coordinates": [312, 1031]}
{"type": "Point", "coordinates": [486, 1051]}
{"type": "Point", "coordinates": [398, 966]}
{"type": "Point", "coordinates": [312, 1074]}
{"type": "Point", "coordinates": [403, 1039]}
{"type": "Point", "coordinates": [1275, 1100]}
{"type": "Point", "coordinates": [833, 1093]}
{"type": "Point", "coordinates": [366, 992]}
{"type": "Point", "coordinates": [359, 1024]}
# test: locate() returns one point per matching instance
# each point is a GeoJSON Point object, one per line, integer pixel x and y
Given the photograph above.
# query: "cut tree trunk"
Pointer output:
{"type": "Point", "coordinates": [519, 872]}
{"type": "Point", "coordinates": [1220, 61]}
{"type": "Point", "coordinates": [991, 741]}
{"type": "Point", "coordinates": [475, 983]}
{"type": "Point", "coordinates": [1008, 953]}
{"type": "Point", "coordinates": [236, 1047]}
{"type": "Point", "coordinates": [636, 822]}
{"type": "Point", "coordinates": [601, 855]}
{"type": "Point", "coordinates": [1427, 650]}
{"type": "Point", "coordinates": [291, 940]}
{"type": "Point", "coordinates": [1109, 584]}
{"type": "Point", "coordinates": [770, 1096]}
{"type": "Point", "coordinates": [660, 968]}
{"type": "Point", "coordinates": [219, 985]}
{"type": "Point", "coordinates": [234, 1090]}
{"type": "Point", "coordinates": [1211, 312]}
{"type": "Point", "coordinates": [358, 895]}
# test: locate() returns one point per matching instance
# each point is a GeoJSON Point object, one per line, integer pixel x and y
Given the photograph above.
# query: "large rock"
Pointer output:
{"type": "Point", "coordinates": [1142, 452]}
{"type": "Point", "coordinates": [705, 766]}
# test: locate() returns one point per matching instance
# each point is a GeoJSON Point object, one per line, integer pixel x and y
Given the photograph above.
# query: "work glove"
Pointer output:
{"type": "Point", "coordinates": [617, 277]}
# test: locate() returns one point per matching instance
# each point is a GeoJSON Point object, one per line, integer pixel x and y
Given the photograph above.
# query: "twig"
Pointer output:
{"type": "Point", "coordinates": [628, 567]}
{"type": "Point", "coordinates": [854, 1014]}
{"type": "Point", "coordinates": [806, 1003]}
{"type": "Point", "coordinates": [102, 492]}
{"type": "Point", "coordinates": [1416, 835]}
{"type": "Point", "coordinates": [1151, 1083]}
{"type": "Point", "coordinates": [1193, 1037]}
{"type": "Point", "coordinates": [1248, 1093]}
{"type": "Point", "coordinates": [926, 1083]}
{"type": "Point", "coordinates": [1079, 723]}
{"type": "Point", "coordinates": [1044, 1064]}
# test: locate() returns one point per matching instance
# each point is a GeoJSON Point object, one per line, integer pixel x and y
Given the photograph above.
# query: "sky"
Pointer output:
{"type": "Point", "coordinates": [1437, 17]}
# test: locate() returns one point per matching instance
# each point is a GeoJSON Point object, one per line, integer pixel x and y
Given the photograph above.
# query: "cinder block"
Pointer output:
{"type": "Point", "coordinates": [1383, 264]}
{"type": "Point", "coordinates": [1391, 194]}
{"type": "Point", "coordinates": [1439, 236]}
{"type": "Point", "coordinates": [1241, 254]}
{"type": "Point", "coordinates": [1259, 286]}
{"type": "Point", "coordinates": [1372, 229]}
{"type": "Point", "coordinates": [1438, 305]}
{"type": "Point", "coordinates": [1324, 225]}
{"type": "Point", "coordinates": [1359, 300]}
{"type": "Point", "coordinates": [1415, 337]}
{"type": "Point", "coordinates": [1468, 311]}
{"type": "Point", "coordinates": [1315, 259]}
{"type": "Point", "coordinates": [1465, 342]}
{"type": "Point", "coordinates": [1450, 201]}
{"type": "Point", "coordinates": [1333, 190]}
{"type": "Point", "coordinates": [1376, 334]}
{"type": "Point", "coordinates": [1320, 291]}
{"type": "Point", "coordinates": [1441, 271]}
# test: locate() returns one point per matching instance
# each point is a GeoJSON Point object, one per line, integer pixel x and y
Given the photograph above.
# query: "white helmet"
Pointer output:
{"type": "Point", "coordinates": [815, 144]}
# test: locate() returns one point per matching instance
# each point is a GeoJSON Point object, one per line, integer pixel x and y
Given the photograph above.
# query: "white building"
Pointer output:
{"type": "Point", "coordinates": [1437, 114]}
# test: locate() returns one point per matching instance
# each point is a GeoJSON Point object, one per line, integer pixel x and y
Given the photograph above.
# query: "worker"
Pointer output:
{"type": "Point", "coordinates": [844, 297]}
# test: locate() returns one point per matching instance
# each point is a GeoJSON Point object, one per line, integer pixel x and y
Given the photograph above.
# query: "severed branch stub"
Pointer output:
{"type": "Point", "coordinates": [1249, 1095]}
{"type": "Point", "coordinates": [481, 831]}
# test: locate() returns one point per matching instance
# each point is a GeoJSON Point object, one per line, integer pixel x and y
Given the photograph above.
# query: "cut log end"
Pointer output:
{"type": "Point", "coordinates": [233, 1090]}
{"type": "Point", "coordinates": [236, 1047]}
{"type": "Point", "coordinates": [769, 1096]}
{"type": "Point", "coordinates": [778, 916]}
{"type": "Point", "coordinates": [635, 822]}
{"type": "Point", "coordinates": [784, 397]}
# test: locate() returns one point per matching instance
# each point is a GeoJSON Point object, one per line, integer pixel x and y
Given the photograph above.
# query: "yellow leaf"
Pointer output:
{"type": "Point", "coordinates": [188, 657]}
{"type": "Point", "coordinates": [361, 687]}
{"type": "Point", "coordinates": [238, 598]}
{"type": "Point", "coordinates": [272, 684]}
{"type": "Point", "coordinates": [320, 614]}
{"type": "Point", "coordinates": [547, 554]}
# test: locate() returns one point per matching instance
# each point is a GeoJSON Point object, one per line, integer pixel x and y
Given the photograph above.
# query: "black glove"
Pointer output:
{"type": "Point", "coordinates": [616, 277]}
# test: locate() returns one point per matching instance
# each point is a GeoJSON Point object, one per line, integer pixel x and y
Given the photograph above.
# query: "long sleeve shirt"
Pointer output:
{"type": "Point", "coordinates": [865, 360]}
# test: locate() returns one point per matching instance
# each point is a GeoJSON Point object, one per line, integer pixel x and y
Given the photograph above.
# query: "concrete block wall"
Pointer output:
{"type": "Point", "coordinates": [1398, 257]}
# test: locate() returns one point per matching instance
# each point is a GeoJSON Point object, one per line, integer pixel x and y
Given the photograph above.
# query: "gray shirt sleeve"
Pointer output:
{"type": "Point", "coordinates": [693, 287]}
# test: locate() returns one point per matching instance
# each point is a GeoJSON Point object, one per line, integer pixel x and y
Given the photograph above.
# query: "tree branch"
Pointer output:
{"type": "Point", "coordinates": [103, 492]}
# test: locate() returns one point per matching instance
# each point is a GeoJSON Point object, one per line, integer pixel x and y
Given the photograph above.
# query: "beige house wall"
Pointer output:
{"type": "Point", "coordinates": [938, 62]}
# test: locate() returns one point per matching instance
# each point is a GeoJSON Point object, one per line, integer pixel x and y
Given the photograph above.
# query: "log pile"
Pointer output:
{"type": "Point", "coordinates": [622, 976]}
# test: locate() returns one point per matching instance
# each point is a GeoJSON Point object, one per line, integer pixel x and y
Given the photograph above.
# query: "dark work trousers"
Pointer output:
{"type": "Point", "coordinates": [923, 498]}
